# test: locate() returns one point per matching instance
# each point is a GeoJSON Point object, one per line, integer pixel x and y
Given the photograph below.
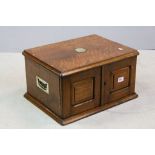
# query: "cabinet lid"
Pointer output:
{"type": "Point", "coordinates": [79, 54]}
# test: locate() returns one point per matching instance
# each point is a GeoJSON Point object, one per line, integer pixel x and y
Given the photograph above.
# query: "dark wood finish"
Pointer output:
{"type": "Point", "coordinates": [65, 121]}
{"type": "Point", "coordinates": [51, 100]}
{"type": "Point", "coordinates": [122, 74]}
{"type": "Point", "coordinates": [82, 91]}
{"type": "Point", "coordinates": [69, 86]}
{"type": "Point", "coordinates": [114, 90]}
{"type": "Point", "coordinates": [78, 97]}
{"type": "Point", "coordinates": [63, 59]}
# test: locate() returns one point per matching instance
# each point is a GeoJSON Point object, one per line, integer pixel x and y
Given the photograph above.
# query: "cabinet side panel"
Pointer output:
{"type": "Point", "coordinates": [38, 79]}
{"type": "Point", "coordinates": [133, 75]}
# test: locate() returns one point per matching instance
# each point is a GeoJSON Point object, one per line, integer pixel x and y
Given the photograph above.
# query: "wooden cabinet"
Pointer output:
{"type": "Point", "coordinates": [73, 79]}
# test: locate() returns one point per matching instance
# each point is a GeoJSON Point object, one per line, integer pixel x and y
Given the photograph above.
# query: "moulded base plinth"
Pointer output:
{"type": "Point", "coordinates": [77, 116]}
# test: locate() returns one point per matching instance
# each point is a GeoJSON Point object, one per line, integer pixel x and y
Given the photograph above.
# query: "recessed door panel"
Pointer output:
{"type": "Point", "coordinates": [118, 80]}
{"type": "Point", "coordinates": [82, 91]}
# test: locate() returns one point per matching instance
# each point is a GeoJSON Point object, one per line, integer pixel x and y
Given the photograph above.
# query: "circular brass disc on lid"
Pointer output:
{"type": "Point", "coordinates": [121, 49]}
{"type": "Point", "coordinates": [80, 50]}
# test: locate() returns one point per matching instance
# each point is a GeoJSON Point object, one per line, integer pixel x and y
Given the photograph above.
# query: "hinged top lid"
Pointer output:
{"type": "Point", "coordinates": [79, 54]}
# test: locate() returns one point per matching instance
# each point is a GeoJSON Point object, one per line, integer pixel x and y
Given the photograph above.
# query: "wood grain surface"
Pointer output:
{"type": "Point", "coordinates": [63, 58]}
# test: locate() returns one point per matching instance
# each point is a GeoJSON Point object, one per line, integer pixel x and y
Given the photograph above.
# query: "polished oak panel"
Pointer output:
{"type": "Point", "coordinates": [120, 78]}
{"type": "Point", "coordinates": [83, 91]}
{"type": "Point", "coordinates": [63, 58]}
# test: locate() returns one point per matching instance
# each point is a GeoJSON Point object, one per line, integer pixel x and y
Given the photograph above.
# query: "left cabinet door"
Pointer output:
{"type": "Point", "coordinates": [81, 91]}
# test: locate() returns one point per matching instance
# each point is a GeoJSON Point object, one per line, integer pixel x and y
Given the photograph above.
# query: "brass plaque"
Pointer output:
{"type": "Point", "coordinates": [43, 85]}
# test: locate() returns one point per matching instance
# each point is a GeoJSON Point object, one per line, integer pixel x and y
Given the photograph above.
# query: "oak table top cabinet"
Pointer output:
{"type": "Point", "coordinates": [76, 78]}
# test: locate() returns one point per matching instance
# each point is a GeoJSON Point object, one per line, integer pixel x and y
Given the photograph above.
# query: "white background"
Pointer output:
{"type": "Point", "coordinates": [80, 12]}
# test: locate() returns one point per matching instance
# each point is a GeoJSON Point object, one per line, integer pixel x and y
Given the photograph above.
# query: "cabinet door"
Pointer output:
{"type": "Point", "coordinates": [118, 80]}
{"type": "Point", "coordinates": [81, 91]}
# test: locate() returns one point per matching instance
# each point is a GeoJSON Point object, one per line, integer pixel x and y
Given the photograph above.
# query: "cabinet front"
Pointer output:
{"type": "Point", "coordinates": [118, 80]}
{"type": "Point", "coordinates": [81, 91]}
